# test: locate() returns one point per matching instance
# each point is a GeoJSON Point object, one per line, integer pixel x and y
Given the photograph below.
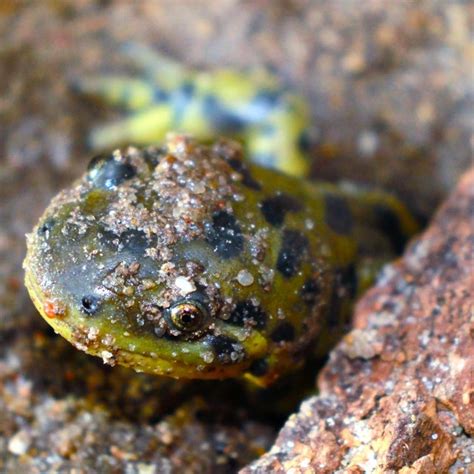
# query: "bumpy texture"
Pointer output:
{"type": "Point", "coordinates": [186, 261]}
{"type": "Point", "coordinates": [398, 392]}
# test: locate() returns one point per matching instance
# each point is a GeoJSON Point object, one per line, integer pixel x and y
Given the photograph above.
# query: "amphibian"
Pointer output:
{"type": "Point", "coordinates": [193, 260]}
{"type": "Point", "coordinates": [186, 260]}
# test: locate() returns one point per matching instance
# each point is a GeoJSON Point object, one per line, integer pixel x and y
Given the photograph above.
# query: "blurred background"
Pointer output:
{"type": "Point", "coordinates": [390, 86]}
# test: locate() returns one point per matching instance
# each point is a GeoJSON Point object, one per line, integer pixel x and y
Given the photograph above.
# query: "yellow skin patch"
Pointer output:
{"type": "Point", "coordinates": [253, 107]}
{"type": "Point", "coordinates": [185, 260]}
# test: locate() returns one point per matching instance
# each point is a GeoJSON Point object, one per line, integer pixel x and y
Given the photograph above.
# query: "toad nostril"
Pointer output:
{"type": "Point", "coordinates": [90, 304]}
{"type": "Point", "coordinates": [46, 228]}
{"type": "Point", "coordinates": [106, 172]}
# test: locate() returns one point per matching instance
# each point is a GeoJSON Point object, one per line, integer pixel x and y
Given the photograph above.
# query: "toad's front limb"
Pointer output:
{"type": "Point", "coordinates": [254, 107]}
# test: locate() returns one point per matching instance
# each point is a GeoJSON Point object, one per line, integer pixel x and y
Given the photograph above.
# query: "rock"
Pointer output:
{"type": "Point", "coordinates": [397, 394]}
{"type": "Point", "coordinates": [19, 443]}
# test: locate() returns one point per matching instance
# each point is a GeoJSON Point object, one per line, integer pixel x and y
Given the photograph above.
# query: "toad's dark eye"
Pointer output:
{"type": "Point", "coordinates": [188, 315]}
{"type": "Point", "coordinates": [105, 172]}
{"type": "Point", "coordinates": [90, 304]}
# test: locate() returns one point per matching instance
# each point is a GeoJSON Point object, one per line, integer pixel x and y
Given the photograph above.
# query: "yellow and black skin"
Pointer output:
{"type": "Point", "coordinates": [189, 260]}
{"type": "Point", "coordinates": [268, 118]}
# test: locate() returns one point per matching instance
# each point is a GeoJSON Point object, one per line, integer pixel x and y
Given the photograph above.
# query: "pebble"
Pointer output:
{"type": "Point", "coordinates": [19, 443]}
{"type": "Point", "coordinates": [245, 278]}
{"type": "Point", "coordinates": [184, 285]}
{"type": "Point", "coordinates": [208, 357]}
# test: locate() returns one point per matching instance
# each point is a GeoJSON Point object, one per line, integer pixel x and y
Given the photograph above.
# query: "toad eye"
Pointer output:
{"type": "Point", "coordinates": [105, 172]}
{"type": "Point", "coordinates": [188, 315]}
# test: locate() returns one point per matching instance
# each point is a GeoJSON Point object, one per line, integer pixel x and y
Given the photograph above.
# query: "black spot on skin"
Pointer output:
{"type": "Point", "coordinates": [90, 304]}
{"type": "Point", "coordinates": [109, 239]}
{"type": "Point", "coordinates": [293, 248]}
{"type": "Point", "coordinates": [153, 156]}
{"type": "Point", "coordinates": [159, 95]}
{"type": "Point", "coordinates": [338, 215]}
{"type": "Point", "coordinates": [133, 241]}
{"type": "Point", "coordinates": [275, 208]}
{"type": "Point", "coordinates": [388, 223]}
{"type": "Point", "coordinates": [105, 172]}
{"type": "Point", "coordinates": [247, 180]}
{"type": "Point", "coordinates": [310, 291]}
{"type": "Point", "coordinates": [225, 235]}
{"type": "Point", "coordinates": [304, 142]}
{"type": "Point", "coordinates": [259, 367]}
{"type": "Point", "coordinates": [180, 99]}
{"type": "Point", "coordinates": [284, 332]}
{"type": "Point", "coordinates": [46, 228]}
{"type": "Point", "coordinates": [226, 349]}
{"type": "Point", "coordinates": [263, 102]}
{"type": "Point", "coordinates": [247, 312]}
{"type": "Point", "coordinates": [220, 117]}
{"type": "Point", "coordinates": [188, 89]}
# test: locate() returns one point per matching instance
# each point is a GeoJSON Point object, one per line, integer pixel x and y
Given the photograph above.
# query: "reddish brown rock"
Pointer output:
{"type": "Point", "coordinates": [398, 392]}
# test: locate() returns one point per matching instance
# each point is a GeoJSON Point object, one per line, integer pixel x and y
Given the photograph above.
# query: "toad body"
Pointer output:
{"type": "Point", "coordinates": [189, 261]}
